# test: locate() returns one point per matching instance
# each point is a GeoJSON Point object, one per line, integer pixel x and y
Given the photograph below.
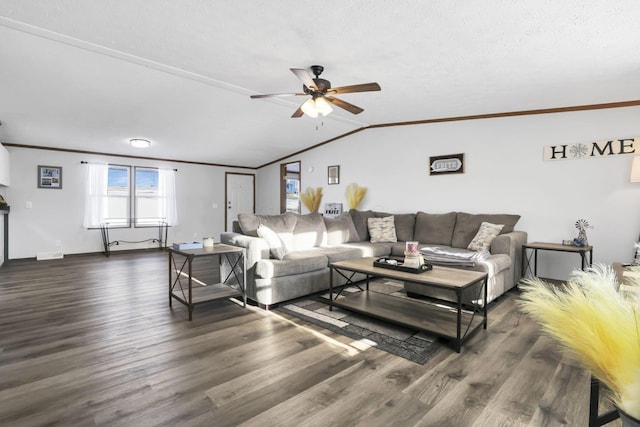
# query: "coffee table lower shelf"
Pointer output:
{"type": "Point", "coordinates": [435, 319]}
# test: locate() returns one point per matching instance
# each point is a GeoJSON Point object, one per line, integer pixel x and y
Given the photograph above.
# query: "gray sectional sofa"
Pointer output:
{"type": "Point", "coordinates": [292, 257]}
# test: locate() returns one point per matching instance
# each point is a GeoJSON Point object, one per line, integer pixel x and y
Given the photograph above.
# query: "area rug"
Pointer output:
{"type": "Point", "coordinates": [416, 346]}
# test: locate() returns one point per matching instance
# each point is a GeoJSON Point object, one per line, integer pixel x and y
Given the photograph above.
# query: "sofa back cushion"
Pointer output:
{"type": "Point", "coordinates": [340, 230]}
{"type": "Point", "coordinates": [309, 231]}
{"type": "Point", "coordinates": [282, 225]}
{"type": "Point", "coordinates": [467, 225]}
{"type": "Point", "coordinates": [360, 219]}
{"type": "Point", "coordinates": [405, 224]}
{"type": "Point", "coordinates": [436, 229]}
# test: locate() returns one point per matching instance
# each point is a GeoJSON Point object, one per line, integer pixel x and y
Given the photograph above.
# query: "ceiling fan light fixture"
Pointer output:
{"type": "Point", "coordinates": [309, 108]}
{"type": "Point", "coordinates": [140, 143]}
{"type": "Point", "coordinates": [322, 106]}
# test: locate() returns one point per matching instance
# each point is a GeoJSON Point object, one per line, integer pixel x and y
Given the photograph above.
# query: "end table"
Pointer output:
{"type": "Point", "coordinates": [534, 247]}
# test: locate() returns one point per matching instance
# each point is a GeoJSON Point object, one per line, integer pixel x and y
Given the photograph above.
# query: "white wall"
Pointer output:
{"type": "Point", "coordinates": [58, 214]}
{"type": "Point", "coordinates": [504, 173]}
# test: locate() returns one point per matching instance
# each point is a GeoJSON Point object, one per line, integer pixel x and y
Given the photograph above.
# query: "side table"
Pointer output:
{"type": "Point", "coordinates": [531, 249]}
{"type": "Point", "coordinates": [190, 295]}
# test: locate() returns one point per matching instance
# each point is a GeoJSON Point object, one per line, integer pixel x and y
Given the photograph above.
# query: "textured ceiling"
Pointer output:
{"type": "Point", "coordinates": [91, 75]}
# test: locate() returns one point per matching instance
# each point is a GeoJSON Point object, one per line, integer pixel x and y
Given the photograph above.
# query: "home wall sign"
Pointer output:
{"type": "Point", "coordinates": [444, 165]}
{"type": "Point", "coordinates": [588, 150]}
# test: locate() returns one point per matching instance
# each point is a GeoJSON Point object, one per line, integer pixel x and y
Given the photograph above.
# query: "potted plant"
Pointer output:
{"type": "Point", "coordinates": [598, 325]}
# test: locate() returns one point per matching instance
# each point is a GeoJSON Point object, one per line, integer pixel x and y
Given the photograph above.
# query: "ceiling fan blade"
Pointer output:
{"type": "Point", "coordinates": [275, 95]}
{"type": "Point", "coordinates": [344, 105]}
{"type": "Point", "coordinates": [304, 77]}
{"type": "Point", "coordinates": [298, 113]}
{"type": "Point", "coordinates": [364, 87]}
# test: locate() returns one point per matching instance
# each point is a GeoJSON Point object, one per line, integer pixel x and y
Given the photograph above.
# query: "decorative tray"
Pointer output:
{"type": "Point", "coordinates": [394, 264]}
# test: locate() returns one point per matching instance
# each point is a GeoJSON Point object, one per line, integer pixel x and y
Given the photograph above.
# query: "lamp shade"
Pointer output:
{"type": "Point", "coordinates": [309, 108]}
{"type": "Point", "coordinates": [322, 106]}
{"type": "Point", "coordinates": [635, 170]}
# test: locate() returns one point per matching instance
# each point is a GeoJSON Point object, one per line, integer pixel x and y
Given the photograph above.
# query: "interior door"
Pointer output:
{"type": "Point", "coordinates": [240, 195]}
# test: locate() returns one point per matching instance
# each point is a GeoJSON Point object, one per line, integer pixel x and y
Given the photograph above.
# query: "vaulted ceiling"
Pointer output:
{"type": "Point", "coordinates": [90, 75]}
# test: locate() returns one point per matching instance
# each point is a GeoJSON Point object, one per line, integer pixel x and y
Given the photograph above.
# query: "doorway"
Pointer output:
{"type": "Point", "coordinates": [240, 196]}
{"type": "Point", "coordinates": [290, 187]}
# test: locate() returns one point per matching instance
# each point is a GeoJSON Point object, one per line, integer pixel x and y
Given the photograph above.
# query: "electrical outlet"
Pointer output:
{"type": "Point", "coordinates": [58, 243]}
{"type": "Point", "coordinates": [28, 205]}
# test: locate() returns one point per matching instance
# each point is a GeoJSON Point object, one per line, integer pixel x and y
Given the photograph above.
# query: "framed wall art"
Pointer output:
{"type": "Point", "coordinates": [333, 175]}
{"type": "Point", "coordinates": [50, 177]}
{"type": "Point", "coordinates": [445, 165]}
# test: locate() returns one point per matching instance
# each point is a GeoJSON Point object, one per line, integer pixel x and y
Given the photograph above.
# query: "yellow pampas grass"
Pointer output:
{"type": "Point", "coordinates": [354, 195]}
{"type": "Point", "coordinates": [598, 325]}
{"type": "Point", "coordinates": [311, 199]}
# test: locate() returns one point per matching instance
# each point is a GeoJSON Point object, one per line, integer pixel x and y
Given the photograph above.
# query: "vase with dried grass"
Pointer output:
{"type": "Point", "coordinates": [598, 325]}
{"type": "Point", "coordinates": [354, 195]}
{"type": "Point", "coordinates": [311, 198]}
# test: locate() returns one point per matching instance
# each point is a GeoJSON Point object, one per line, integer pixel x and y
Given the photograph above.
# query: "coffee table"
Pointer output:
{"type": "Point", "coordinates": [440, 319]}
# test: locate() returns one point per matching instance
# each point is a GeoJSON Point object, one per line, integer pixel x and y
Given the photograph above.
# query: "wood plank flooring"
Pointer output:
{"type": "Point", "coordinates": [91, 341]}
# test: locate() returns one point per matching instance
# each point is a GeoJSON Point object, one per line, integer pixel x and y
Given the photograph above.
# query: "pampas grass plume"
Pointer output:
{"type": "Point", "coordinates": [354, 195]}
{"type": "Point", "coordinates": [311, 199]}
{"type": "Point", "coordinates": [598, 325]}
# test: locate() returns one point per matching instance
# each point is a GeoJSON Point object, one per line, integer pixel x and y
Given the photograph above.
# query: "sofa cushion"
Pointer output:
{"type": "Point", "coordinates": [308, 232]}
{"type": "Point", "coordinates": [405, 223]}
{"type": "Point", "coordinates": [467, 225]}
{"type": "Point", "coordinates": [360, 222]}
{"type": "Point", "coordinates": [368, 249]}
{"type": "Point", "coordinates": [340, 230]}
{"type": "Point", "coordinates": [339, 253]}
{"type": "Point", "coordinates": [297, 262]}
{"type": "Point", "coordinates": [436, 229]}
{"type": "Point", "coordinates": [279, 223]}
{"type": "Point", "coordinates": [277, 247]}
{"type": "Point", "coordinates": [382, 230]}
{"type": "Point", "coordinates": [484, 236]}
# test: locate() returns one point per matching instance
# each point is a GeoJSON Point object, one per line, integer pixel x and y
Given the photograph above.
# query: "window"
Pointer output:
{"type": "Point", "coordinates": [148, 199]}
{"type": "Point", "coordinates": [114, 198]}
{"type": "Point", "coordinates": [118, 196]}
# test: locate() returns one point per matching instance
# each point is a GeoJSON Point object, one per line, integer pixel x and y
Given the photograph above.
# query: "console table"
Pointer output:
{"type": "Point", "coordinates": [534, 247]}
{"type": "Point", "coordinates": [190, 295]}
{"type": "Point", "coordinates": [162, 227]}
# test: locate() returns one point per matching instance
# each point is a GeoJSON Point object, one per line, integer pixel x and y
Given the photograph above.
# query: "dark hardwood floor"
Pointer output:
{"type": "Point", "coordinates": [90, 340]}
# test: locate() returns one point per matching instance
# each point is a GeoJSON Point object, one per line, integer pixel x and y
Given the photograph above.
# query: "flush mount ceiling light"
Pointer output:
{"type": "Point", "coordinates": [140, 143]}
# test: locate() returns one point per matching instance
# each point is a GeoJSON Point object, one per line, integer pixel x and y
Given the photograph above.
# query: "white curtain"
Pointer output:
{"type": "Point", "coordinates": [96, 198]}
{"type": "Point", "coordinates": [167, 191]}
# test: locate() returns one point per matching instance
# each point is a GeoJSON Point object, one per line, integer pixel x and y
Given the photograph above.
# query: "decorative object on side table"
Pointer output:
{"type": "Point", "coordinates": [597, 324]}
{"type": "Point", "coordinates": [354, 195]}
{"type": "Point", "coordinates": [311, 199]}
{"type": "Point", "coordinates": [581, 240]}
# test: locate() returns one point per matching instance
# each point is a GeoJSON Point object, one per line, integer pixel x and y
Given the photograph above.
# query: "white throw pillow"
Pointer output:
{"type": "Point", "coordinates": [382, 230]}
{"type": "Point", "coordinates": [277, 248]}
{"type": "Point", "coordinates": [484, 236]}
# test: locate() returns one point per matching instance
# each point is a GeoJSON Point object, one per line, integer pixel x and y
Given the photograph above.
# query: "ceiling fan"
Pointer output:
{"type": "Point", "coordinates": [321, 93]}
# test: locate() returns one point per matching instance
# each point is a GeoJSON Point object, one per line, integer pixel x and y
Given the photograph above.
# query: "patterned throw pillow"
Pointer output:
{"type": "Point", "coordinates": [382, 230]}
{"type": "Point", "coordinates": [277, 248]}
{"type": "Point", "coordinates": [484, 236]}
